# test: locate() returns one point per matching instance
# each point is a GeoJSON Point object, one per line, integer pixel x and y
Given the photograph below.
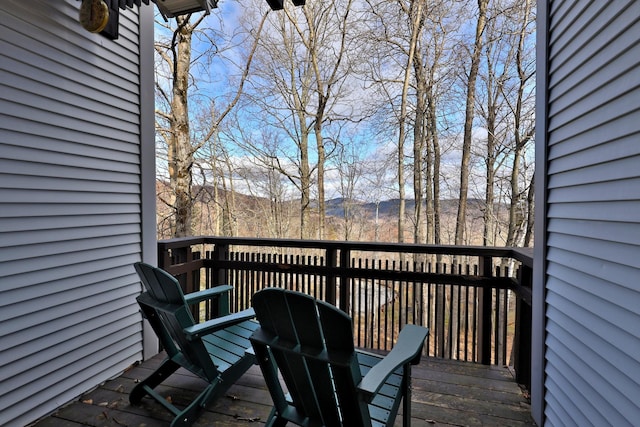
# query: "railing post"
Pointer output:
{"type": "Point", "coordinates": [183, 255]}
{"type": "Point", "coordinates": [522, 336]}
{"type": "Point", "coordinates": [345, 254]}
{"type": "Point", "coordinates": [164, 257]}
{"type": "Point", "coordinates": [332, 283]}
{"type": "Point", "coordinates": [485, 265]}
{"type": "Point", "coordinates": [439, 308]}
{"type": "Point", "coordinates": [218, 275]}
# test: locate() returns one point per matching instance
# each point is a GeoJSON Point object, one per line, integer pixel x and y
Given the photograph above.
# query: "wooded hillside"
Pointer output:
{"type": "Point", "coordinates": [346, 219]}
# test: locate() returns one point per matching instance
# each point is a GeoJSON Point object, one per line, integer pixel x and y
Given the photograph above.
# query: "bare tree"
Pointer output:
{"type": "Point", "coordinates": [176, 54]}
{"type": "Point", "coordinates": [327, 81]}
{"type": "Point", "coordinates": [298, 89]}
{"type": "Point", "coordinates": [174, 123]}
{"type": "Point", "coordinates": [391, 68]}
{"type": "Point", "coordinates": [498, 60]}
{"type": "Point", "coordinates": [524, 128]}
{"type": "Point", "coordinates": [379, 185]}
{"type": "Point", "coordinates": [272, 216]}
{"type": "Point", "coordinates": [500, 90]}
{"type": "Point", "coordinates": [215, 196]}
{"type": "Point", "coordinates": [468, 120]}
{"type": "Point", "coordinates": [349, 166]}
{"type": "Point", "coordinates": [414, 12]}
{"type": "Point", "coordinates": [420, 131]}
{"type": "Point", "coordinates": [431, 69]}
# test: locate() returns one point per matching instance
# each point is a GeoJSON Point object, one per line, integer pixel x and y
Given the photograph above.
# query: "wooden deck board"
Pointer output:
{"type": "Point", "coordinates": [445, 393]}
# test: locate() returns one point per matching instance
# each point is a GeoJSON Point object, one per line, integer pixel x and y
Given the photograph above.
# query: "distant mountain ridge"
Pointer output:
{"type": "Point", "coordinates": [335, 207]}
{"type": "Point", "coordinates": [390, 208]}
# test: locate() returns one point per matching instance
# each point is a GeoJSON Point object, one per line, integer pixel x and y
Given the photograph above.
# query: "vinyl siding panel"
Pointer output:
{"type": "Point", "coordinates": [593, 214]}
{"type": "Point", "coordinates": [70, 205]}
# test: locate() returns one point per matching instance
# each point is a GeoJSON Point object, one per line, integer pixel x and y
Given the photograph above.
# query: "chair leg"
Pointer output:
{"type": "Point", "coordinates": [274, 420]}
{"type": "Point", "coordinates": [167, 368]}
{"type": "Point", "coordinates": [190, 414]}
{"type": "Point", "coordinates": [406, 399]}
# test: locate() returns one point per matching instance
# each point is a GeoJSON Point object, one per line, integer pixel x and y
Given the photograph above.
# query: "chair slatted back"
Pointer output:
{"type": "Point", "coordinates": [168, 313]}
{"type": "Point", "coordinates": [312, 344]}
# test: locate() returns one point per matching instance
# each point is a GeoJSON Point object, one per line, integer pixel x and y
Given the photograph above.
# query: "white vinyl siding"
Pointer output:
{"type": "Point", "coordinates": [70, 205]}
{"type": "Point", "coordinates": [593, 214]}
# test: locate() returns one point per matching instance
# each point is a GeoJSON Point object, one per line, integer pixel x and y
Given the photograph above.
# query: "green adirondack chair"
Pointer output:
{"type": "Point", "coordinates": [309, 343]}
{"type": "Point", "coordinates": [215, 350]}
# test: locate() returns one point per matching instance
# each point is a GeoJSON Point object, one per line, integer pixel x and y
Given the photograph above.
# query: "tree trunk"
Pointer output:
{"type": "Point", "coordinates": [528, 236]}
{"type": "Point", "coordinates": [488, 215]}
{"type": "Point", "coordinates": [320, 167]}
{"type": "Point", "coordinates": [432, 173]}
{"type": "Point", "coordinates": [180, 151]}
{"type": "Point", "coordinates": [435, 141]}
{"type": "Point", "coordinates": [419, 234]}
{"type": "Point", "coordinates": [468, 123]}
{"type": "Point", "coordinates": [305, 187]}
{"type": "Point", "coordinates": [521, 139]}
{"type": "Point", "coordinates": [515, 217]}
{"type": "Point", "coordinates": [228, 204]}
{"type": "Point", "coordinates": [415, 17]}
{"type": "Point", "coordinates": [420, 151]}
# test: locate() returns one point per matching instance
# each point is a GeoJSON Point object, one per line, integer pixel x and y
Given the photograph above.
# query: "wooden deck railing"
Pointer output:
{"type": "Point", "coordinates": [476, 301]}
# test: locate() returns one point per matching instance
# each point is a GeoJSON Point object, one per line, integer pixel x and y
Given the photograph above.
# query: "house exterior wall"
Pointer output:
{"type": "Point", "coordinates": [588, 214]}
{"type": "Point", "coordinates": [76, 156]}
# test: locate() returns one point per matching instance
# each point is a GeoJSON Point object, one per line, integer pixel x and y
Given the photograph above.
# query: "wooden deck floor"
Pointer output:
{"type": "Point", "coordinates": [445, 393]}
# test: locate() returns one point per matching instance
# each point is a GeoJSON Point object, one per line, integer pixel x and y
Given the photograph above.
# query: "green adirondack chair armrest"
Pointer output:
{"type": "Point", "coordinates": [407, 349]}
{"type": "Point", "coordinates": [210, 326]}
{"type": "Point", "coordinates": [196, 297]}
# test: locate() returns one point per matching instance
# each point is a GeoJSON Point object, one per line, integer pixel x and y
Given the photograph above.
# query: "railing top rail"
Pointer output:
{"type": "Point", "coordinates": [179, 242]}
{"type": "Point", "coordinates": [524, 255]}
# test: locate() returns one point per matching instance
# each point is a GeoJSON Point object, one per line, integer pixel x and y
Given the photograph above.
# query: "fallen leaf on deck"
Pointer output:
{"type": "Point", "coordinates": [115, 420]}
{"type": "Point", "coordinates": [248, 419]}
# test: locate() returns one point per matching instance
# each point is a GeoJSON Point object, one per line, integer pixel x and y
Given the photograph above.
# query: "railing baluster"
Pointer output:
{"type": "Point", "coordinates": [380, 306]}
{"type": "Point", "coordinates": [522, 338]}
{"type": "Point", "coordinates": [332, 262]}
{"type": "Point", "coordinates": [484, 313]}
{"type": "Point", "coordinates": [345, 256]}
{"type": "Point", "coordinates": [361, 296]}
{"type": "Point", "coordinates": [439, 315]}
